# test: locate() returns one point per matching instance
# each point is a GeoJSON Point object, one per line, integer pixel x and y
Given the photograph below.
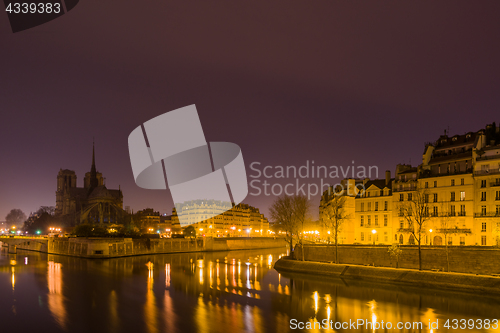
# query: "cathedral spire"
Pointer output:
{"type": "Point", "coordinates": [93, 172]}
{"type": "Point", "coordinates": [92, 169]}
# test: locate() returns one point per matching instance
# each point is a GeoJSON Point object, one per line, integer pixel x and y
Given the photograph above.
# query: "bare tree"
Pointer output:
{"type": "Point", "coordinates": [15, 217]}
{"type": "Point", "coordinates": [281, 212]}
{"type": "Point", "coordinates": [333, 216]}
{"type": "Point", "coordinates": [46, 209]}
{"type": "Point", "coordinates": [447, 228]}
{"type": "Point", "coordinates": [416, 213]}
{"type": "Point", "coordinates": [496, 234]}
{"type": "Point", "coordinates": [300, 210]}
{"type": "Point", "coordinates": [395, 252]}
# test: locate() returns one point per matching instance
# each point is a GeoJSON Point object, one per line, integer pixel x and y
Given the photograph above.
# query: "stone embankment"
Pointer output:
{"type": "Point", "coordinates": [442, 280]}
{"type": "Point", "coordinates": [122, 247]}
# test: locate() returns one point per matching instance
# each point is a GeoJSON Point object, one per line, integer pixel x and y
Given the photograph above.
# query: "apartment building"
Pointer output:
{"type": "Point", "coordinates": [459, 183]}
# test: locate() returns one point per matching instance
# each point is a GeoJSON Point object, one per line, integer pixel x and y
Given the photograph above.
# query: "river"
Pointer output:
{"type": "Point", "coordinates": [228, 292]}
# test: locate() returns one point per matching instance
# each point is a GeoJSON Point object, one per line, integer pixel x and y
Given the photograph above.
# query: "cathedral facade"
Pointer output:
{"type": "Point", "coordinates": [92, 203]}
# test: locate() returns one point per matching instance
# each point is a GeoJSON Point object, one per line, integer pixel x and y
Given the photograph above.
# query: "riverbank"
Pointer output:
{"type": "Point", "coordinates": [459, 259]}
{"type": "Point", "coordinates": [104, 248]}
{"type": "Point", "coordinates": [442, 280]}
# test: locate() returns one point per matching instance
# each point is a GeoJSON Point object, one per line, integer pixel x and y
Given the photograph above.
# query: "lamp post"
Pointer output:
{"type": "Point", "coordinates": [374, 232]}
{"type": "Point", "coordinates": [430, 230]}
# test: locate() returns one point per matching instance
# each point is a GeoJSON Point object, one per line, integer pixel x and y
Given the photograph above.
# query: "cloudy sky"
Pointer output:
{"type": "Point", "coordinates": [288, 81]}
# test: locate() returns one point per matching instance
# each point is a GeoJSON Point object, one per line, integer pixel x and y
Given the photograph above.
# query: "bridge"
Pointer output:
{"type": "Point", "coordinates": [106, 247]}
{"type": "Point", "coordinates": [33, 243]}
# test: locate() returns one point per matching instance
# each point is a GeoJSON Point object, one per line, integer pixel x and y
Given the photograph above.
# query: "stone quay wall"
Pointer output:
{"type": "Point", "coordinates": [462, 259]}
{"type": "Point", "coordinates": [428, 279]}
{"type": "Point", "coordinates": [122, 247]}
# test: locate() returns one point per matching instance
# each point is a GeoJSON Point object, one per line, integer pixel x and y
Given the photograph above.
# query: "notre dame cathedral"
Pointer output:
{"type": "Point", "coordinates": [92, 203]}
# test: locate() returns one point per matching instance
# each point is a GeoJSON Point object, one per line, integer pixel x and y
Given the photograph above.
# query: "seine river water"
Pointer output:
{"type": "Point", "coordinates": [228, 292]}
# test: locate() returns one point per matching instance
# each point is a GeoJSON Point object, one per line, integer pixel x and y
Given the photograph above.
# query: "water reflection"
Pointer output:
{"type": "Point", "coordinates": [55, 298]}
{"type": "Point", "coordinates": [208, 292]}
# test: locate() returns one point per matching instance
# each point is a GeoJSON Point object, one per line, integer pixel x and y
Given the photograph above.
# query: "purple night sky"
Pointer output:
{"type": "Point", "coordinates": [288, 81]}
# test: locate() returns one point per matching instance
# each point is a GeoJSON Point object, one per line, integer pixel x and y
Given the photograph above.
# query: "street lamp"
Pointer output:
{"type": "Point", "coordinates": [374, 232]}
{"type": "Point", "coordinates": [430, 230]}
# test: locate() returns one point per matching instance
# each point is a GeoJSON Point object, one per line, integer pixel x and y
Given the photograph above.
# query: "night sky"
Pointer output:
{"type": "Point", "coordinates": [288, 81]}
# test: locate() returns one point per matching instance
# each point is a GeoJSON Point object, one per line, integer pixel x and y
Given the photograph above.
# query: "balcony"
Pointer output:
{"type": "Point", "coordinates": [495, 184]}
{"type": "Point", "coordinates": [406, 189]}
{"type": "Point", "coordinates": [487, 172]}
{"type": "Point", "coordinates": [405, 230]}
{"type": "Point", "coordinates": [461, 214]}
{"type": "Point", "coordinates": [428, 174]}
{"type": "Point", "coordinates": [454, 231]}
{"type": "Point", "coordinates": [490, 214]}
{"type": "Point", "coordinates": [485, 158]}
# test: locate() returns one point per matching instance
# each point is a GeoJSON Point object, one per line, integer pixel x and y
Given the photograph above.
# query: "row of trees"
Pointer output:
{"type": "Point", "coordinates": [290, 213]}
{"type": "Point", "coordinates": [416, 214]}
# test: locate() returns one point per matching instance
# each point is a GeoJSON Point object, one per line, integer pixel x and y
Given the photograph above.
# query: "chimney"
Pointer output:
{"type": "Point", "coordinates": [387, 177]}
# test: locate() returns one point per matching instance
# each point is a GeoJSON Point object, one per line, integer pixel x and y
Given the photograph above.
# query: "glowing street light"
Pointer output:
{"type": "Point", "coordinates": [374, 232]}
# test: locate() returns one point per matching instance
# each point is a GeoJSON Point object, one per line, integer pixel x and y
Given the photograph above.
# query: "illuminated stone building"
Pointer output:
{"type": "Point", "coordinates": [151, 221]}
{"type": "Point", "coordinates": [459, 179]}
{"type": "Point", "coordinates": [92, 203]}
{"type": "Point", "coordinates": [240, 221]}
{"type": "Point", "coordinates": [350, 189]}
{"type": "Point", "coordinates": [373, 216]}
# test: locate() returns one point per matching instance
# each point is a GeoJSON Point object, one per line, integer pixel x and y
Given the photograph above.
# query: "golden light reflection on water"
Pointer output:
{"type": "Point", "coordinates": [55, 299]}
{"type": "Point", "coordinates": [13, 277]}
{"type": "Point", "coordinates": [150, 308]}
{"type": "Point", "coordinates": [113, 311]}
{"type": "Point", "coordinates": [315, 296]}
{"type": "Point", "coordinates": [197, 291]}
{"type": "Point", "coordinates": [373, 305]}
{"type": "Point", "coordinates": [170, 317]}
{"type": "Point", "coordinates": [167, 275]}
